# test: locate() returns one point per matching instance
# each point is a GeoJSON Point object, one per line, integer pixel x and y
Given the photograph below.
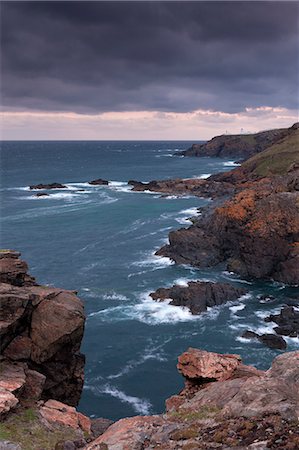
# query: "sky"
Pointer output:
{"type": "Point", "coordinates": [147, 70]}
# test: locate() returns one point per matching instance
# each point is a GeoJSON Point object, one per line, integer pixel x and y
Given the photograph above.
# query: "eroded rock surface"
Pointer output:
{"type": "Point", "coordinates": [233, 407]}
{"type": "Point", "coordinates": [198, 295]}
{"type": "Point", "coordinates": [41, 330]}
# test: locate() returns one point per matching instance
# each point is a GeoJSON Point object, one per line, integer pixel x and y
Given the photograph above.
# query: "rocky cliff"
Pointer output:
{"type": "Point", "coordinates": [41, 330]}
{"type": "Point", "coordinates": [238, 146]}
{"type": "Point", "coordinates": [224, 405]}
{"type": "Point", "coordinates": [256, 230]}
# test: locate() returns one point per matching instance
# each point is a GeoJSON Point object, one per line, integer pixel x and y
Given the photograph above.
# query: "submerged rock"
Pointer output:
{"type": "Point", "coordinates": [47, 186]}
{"type": "Point", "coordinates": [41, 194]}
{"type": "Point", "coordinates": [198, 295]}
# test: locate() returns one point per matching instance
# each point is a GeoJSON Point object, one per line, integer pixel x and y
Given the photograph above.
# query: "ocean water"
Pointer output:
{"type": "Point", "coordinates": [101, 242]}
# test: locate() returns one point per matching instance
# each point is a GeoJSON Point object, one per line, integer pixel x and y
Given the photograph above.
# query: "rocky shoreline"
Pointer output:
{"type": "Point", "coordinates": [224, 403]}
{"type": "Point", "coordinates": [253, 228]}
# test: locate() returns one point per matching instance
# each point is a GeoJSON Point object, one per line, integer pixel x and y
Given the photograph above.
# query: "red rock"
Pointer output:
{"type": "Point", "coordinates": [127, 434]}
{"type": "Point", "coordinates": [34, 385]}
{"type": "Point", "coordinates": [207, 366]}
{"type": "Point", "coordinates": [56, 322]}
{"type": "Point", "coordinates": [58, 413]}
{"type": "Point", "coordinates": [15, 312]}
{"type": "Point", "coordinates": [12, 376]}
{"type": "Point", "coordinates": [7, 401]}
{"type": "Point", "coordinates": [13, 270]}
{"type": "Point", "coordinates": [19, 348]}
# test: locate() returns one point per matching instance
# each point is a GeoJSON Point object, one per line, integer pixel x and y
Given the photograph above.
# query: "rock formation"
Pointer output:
{"type": "Point", "coordinates": [47, 186]}
{"type": "Point", "coordinates": [237, 145]}
{"type": "Point", "coordinates": [42, 369]}
{"type": "Point", "coordinates": [256, 231]}
{"type": "Point", "coordinates": [198, 295]}
{"type": "Point", "coordinates": [41, 329]}
{"type": "Point", "coordinates": [224, 404]}
{"type": "Point", "coordinates": [98, 182]}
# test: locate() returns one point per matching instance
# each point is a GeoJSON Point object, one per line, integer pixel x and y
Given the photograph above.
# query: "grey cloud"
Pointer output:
{"type": "Point", "coordinates": [91, 57]}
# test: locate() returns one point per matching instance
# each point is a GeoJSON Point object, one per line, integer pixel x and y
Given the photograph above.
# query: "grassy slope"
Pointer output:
{"type": "Point", "coordinates": [276, 159]}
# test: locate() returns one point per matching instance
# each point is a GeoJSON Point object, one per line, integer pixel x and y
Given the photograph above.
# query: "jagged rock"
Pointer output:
{"type": "Point", "coordinates": [270, 340]}
{"type": "Point", "coordinates": [19, 348]}
{"type": "Point", "coordinates": [99, 426]}
{"type": "Point", "coordinates": [127, 434]}
{"type": "Point", "coordinates": [56, 323]}
{"type": "Point", "coordinates": [58, 413]}
{"type": "Point", "coordinates": [8, 401]}
{"type": "Point", "coordinates": [255, 233]}
{"type": "Point", "coordinates": [47, 186]}
{"type": "Point", "coordinates": [98, 182]}
{"type": "Point", "coordinates": [207, 366]}
{"type": "Point", "coordinates": [12, 376]}
{"type": "Point", "coordinates": [13, 270]}
{"type": "Point", "coordinates": [198, 295]}
{"type": "Point", "coordinates": [15, 309]}
{"type": "Point", "coordinates": [42, 327]}
{"type": "Point", "coordinates": [248, 412]}
{"type": "Point", "coordinates": [287, 321]}
{"type": "Point", "coordinates": [34, 385]}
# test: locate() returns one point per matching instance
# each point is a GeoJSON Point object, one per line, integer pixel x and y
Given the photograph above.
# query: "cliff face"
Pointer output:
{"type": "Point", "coordinates": [224, 404]}
{"type": "Point", "coordinates": [256, 231]}
{"type": "Point", "coordinates": [237, 146]}
{"type": "Point", "coordinates": [41, 329]}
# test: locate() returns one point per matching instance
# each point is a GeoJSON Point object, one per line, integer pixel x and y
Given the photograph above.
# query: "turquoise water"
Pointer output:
{"type": "Point", "coordinates": [101, 241]}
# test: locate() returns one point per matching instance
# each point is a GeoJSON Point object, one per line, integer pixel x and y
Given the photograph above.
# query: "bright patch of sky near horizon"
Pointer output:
{"type": "Point", "coordinates": [147, 70]}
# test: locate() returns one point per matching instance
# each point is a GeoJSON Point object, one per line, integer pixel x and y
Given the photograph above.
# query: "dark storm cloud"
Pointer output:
{"type": "Point", "coordinates": [116, 56]}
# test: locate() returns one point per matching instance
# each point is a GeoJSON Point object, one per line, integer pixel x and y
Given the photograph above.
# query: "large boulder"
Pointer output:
{"type": "Point", "coordinates": [197, 296]}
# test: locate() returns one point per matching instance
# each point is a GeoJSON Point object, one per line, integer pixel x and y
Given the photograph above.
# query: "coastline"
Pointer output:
{"type": "Point", "coordinates": [241, 197]}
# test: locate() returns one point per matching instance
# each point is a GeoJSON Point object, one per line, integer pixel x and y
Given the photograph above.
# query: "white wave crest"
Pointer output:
{"type": "Point", "coordinates": [231, 164]}
{"type": "Point", "coordinates": [140, 405]}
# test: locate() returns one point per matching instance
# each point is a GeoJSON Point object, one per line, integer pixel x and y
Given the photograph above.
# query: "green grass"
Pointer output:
{"type": "Point", "coordinates": [202, 413]}
{"type": "Point", "coordinates": [24, 427]}
{"type": "Point", "coordinates": [276, 159]}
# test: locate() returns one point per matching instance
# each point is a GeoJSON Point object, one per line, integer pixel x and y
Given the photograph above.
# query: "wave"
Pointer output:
{"type": "Point", "coordinates": [139, 405]}
{"type": "Point", "coordinates": [203, 176]}
{"type": "Point", "coordinates": [150, 352]}
{"type": "Point", "coordinates": [150, 259]}
{"type": "Point", "coordinates": [237, 308]}
{"type": "Point", "coordinates": [231, 164]}
{"type": "Point", "coordinates": [114, 296]}
{"type": "Point", "coordinates": [119, 186]}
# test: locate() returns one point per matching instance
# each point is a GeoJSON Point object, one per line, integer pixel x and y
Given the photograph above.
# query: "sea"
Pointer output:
{"type": "Point", "coordinates": [101, 240]}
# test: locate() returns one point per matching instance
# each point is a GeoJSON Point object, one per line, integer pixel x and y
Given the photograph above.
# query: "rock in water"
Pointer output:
{"type": "Point", "coordinates": [268, 339]}
{"type": "Point", "coordinates": [47, 186]}
{"type": "Point", "coordinates": [98, 182]}
{"type": "Point", "coordinates": [199, 295]}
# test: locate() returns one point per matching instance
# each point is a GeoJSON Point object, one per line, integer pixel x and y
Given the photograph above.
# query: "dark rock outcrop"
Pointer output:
{"type": "Point", "coordinates": [198, 295]}
{"type": "Point", "coordinates": [47, 186]}
{"type": "Point", "coordinates": [41, 329]}
{"type": "Point", "coordinates": [256, 233]}
{"type": "Point", "coordinates": [237, 146]}
{"type": "Point", "coordinates": [99, 182]}
{"type": "Point", "coordinates": [287, 321]}
{"type": "Point", "coordinates": [269, 339]}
